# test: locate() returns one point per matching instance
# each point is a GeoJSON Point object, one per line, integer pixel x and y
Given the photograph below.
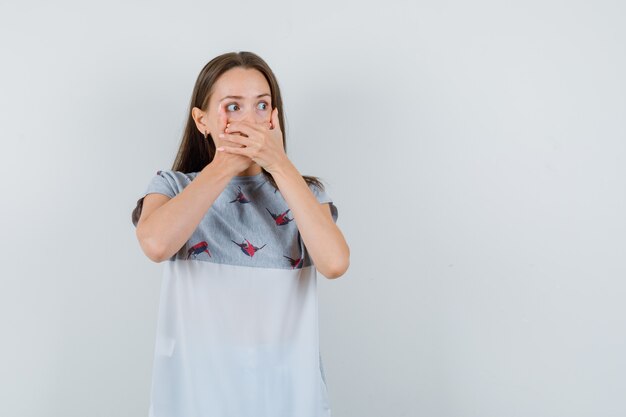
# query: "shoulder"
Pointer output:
{"type": "Point", "coordinates": [169, 182]}
{"type": "Point", "coordinates": [315, 184]}
{"type": "Point", "coordinates": [177, 179]}
{"type": "Point", "coordinates": [323, 197]}
{"type": "Point", "coordinates": [318, 188]}
{"type": "Point", "coordinates": [176, 175]}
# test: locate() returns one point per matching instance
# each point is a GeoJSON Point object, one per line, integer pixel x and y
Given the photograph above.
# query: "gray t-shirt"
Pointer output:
{"type": "Point", "coordinates": [237, 331]}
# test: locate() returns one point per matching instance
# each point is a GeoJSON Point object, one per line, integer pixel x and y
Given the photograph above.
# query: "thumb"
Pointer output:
{"type": "Point", "coordinates": [275, 121]}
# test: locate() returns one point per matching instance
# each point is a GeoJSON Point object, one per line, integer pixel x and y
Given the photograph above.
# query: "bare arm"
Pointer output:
{"type": "Point", "coordinates": [167, 223]}
{"type": "Point", "coordinates": [323, 239]}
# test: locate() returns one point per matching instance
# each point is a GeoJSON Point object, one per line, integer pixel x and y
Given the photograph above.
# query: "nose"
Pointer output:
{"type": "Point", "coordinates": [248, 115]}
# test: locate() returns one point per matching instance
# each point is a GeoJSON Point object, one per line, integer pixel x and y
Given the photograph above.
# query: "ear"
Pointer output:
{"type": "Point", "coordinates": [199, 117]}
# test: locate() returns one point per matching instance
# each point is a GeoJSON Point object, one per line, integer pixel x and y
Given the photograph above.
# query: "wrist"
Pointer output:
{"type": "Point", "coordinates": [283, 168]}
{"type": "Point", "coordinates": [218, 168]}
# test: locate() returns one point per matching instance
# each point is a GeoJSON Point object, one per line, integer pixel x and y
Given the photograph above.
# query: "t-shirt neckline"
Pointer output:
{"type": "Point", "coordinates": [241, 179]}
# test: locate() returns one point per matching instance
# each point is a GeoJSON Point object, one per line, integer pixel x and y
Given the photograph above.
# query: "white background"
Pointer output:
{"type": "Point", "coordinates": [475, 151]}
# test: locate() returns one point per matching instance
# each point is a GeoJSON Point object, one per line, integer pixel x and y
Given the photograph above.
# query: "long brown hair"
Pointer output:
{"type": "Point", "coordinates": [196, 152]}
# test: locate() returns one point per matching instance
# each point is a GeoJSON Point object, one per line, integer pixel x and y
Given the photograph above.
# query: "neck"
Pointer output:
{"type": "Point", "coordinates": [253, 169]}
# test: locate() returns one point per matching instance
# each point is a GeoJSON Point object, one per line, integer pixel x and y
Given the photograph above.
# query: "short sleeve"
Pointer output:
{"type": "Point", "coordinates": [163, 182]}
{"type": "Point", "coordinates": [323, 197]}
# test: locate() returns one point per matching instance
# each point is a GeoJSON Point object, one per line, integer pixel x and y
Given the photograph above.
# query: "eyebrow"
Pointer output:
{"type": "Point", "coordinates": [240, 97]}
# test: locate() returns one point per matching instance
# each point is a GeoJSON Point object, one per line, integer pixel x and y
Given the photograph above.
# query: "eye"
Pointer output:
{"type": "Point", "coordinates": [263, 105]}
{"type": "Point", "coordinates": [229, 108]}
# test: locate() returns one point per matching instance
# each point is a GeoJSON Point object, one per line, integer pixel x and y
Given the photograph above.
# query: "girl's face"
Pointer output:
{"type": "Point", "coordinates": [241, 94]}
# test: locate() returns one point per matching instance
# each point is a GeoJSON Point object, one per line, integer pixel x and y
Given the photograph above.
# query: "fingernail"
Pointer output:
{"type": "Point", "coordinates": [220, 149]}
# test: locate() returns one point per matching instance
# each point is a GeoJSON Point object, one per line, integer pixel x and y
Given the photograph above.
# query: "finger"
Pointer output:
{"type": "Point", "coordinates": [232, 149]}
{"type": "Point", "coordinates": [244, 127]}
{"type": "Point", "coordinates": [234, 138]}
{"type": "Point", "coordinates": [231, 143]}
{"type": "Point", "coordinates": [223, 118]}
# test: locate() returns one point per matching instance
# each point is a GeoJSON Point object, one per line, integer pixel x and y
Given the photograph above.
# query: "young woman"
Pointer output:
{"type": "Point", "coordinates": [243, 233]}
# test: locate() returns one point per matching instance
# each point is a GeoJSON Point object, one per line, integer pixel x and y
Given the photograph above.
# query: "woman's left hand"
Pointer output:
{"type": "Point", "coordinates": [263, 145]}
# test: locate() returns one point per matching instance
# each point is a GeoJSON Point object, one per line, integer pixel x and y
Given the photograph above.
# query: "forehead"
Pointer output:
{"type": "Point", "coordinates": [247, 82]}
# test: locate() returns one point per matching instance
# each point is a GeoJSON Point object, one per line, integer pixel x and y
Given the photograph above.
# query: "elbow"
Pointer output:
{"type": "Point", "coordinates": [152, 249]}
{"type": "Point", "coordinates": [156, 257]}
{"type": "Point", "coordinates": [337, 270]}
{"type": "Point", "coordinates": [153, 252]}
